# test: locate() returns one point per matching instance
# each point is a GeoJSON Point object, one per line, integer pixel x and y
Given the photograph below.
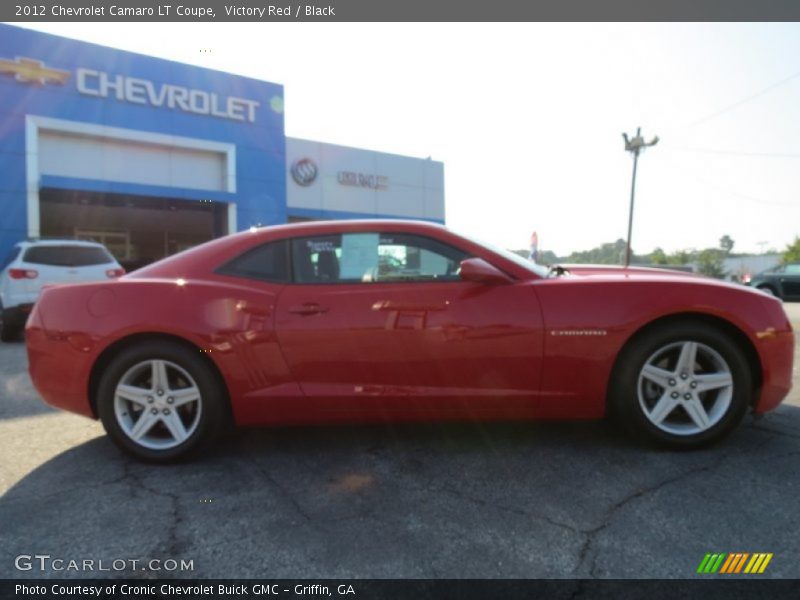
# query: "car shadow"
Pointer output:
{"type": "Point", "coordinates": [422, 500]}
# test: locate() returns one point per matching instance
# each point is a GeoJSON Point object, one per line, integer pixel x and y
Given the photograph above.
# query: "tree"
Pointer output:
{"type": "Point", "coordinates": [726, 243]}
{"type": "Point", "coordinates": [610, 253]}
{"type": "Point", "coordinates": [548, 257]}
{"type": "Point", "coordinates": [709, 262]}
{"type": "Point", "coordinates": [681, 257]}
{"type": "Point", "coordinates": [658, 257]}
{"type": "Point", "coordinates": [792, 252]}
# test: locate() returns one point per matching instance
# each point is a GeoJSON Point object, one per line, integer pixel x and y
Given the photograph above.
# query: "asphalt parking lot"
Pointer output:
{"type": "Point", "coordinates": [444, 501]}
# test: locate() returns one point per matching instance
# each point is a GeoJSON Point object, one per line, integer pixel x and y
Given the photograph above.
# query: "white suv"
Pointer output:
{"type": "Point", "coordinates": [33, 264]}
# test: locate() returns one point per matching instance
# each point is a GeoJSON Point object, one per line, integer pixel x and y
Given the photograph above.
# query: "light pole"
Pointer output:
{"type": "Point", "coordinates": [634, 146]}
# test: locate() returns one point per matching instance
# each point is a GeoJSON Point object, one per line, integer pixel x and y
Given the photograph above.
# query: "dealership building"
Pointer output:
{"type": "Point", "coordinates": [150, 156]}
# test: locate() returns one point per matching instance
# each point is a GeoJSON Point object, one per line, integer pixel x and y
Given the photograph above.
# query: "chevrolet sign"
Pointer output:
{"type": "Point", "coordinates": [142, 91]}
{"type": "Point", "coordinates": [29, 70]}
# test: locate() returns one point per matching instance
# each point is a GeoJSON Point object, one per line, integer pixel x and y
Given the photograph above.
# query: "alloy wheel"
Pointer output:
{"type": "Point", "coordinates": [157, 404]}
{"type": "Point", "coordinates": [685, 388]}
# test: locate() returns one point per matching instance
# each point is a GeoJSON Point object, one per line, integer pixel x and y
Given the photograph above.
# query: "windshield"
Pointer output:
{"type": "Point", "coordinates": [539, 270]}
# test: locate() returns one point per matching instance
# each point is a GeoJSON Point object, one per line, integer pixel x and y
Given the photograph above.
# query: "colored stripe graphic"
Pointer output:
{"type": "Point", "coordinates": [767, 558]}
{"type": "Point", "coordinates": [710, 563]}
{"type": "Point", "coordinates": [734, 562]}
{"type": "Point", "coordinates": [715, 565]}
{"type": "Point", "coordinates": [741, 562]}
{"type": "Point", "coordinates": [754, 563]}
{"type": "Point", "coordinates": [729, 562]}
{"type": "Point", "coordinates": [704, 563]}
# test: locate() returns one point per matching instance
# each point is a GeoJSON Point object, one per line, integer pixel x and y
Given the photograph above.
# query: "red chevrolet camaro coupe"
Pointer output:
{"type": "Point", "coordinates": [399, 321]}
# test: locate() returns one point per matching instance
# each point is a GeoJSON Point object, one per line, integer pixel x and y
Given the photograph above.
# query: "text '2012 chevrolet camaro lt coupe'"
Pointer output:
{"type": "Point", "coordinates": [361, 321]}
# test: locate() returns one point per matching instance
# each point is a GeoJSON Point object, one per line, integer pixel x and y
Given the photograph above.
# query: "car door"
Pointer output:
{"type": "Point", "coordinates": [380, 322]}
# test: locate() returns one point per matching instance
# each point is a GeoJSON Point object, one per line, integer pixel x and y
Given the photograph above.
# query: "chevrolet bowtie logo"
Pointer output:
{"type": "Point", "coordinates": [29, 70]}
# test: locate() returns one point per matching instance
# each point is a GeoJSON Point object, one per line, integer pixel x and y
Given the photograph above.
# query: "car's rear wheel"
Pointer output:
{"type": "Point", "coordinates": [160, 401]}
{"type": "Point", "coordinates": [684, 385]}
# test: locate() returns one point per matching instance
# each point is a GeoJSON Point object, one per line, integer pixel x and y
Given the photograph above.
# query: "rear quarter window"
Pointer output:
{"type": "Point", "coordinates": [268, 262]}
{"type": "Point", "coordinates": [67, 256]}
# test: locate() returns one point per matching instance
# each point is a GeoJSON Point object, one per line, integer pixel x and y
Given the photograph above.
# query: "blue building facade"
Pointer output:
{"type": "Point", "coordinates": [146, 155]}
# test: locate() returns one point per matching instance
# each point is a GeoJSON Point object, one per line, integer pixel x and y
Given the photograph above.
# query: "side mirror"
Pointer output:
{"type": "Point", "coordinates": [478, 270]}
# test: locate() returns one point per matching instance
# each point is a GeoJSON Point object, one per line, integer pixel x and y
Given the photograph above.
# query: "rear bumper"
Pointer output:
{"type": "Point", "coordinates": [19, 299]}
{"type": "Point", "coordinates": [60, 368]}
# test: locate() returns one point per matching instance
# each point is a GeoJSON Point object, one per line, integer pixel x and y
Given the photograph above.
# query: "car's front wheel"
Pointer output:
{"type": "Point", "coordinates": [160, 401]}
{"type": "Point", "coordinates": [684, 385]}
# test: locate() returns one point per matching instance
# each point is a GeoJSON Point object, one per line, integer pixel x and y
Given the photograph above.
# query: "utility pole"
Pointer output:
{"type": "Point", "coordinates": [634, 146]}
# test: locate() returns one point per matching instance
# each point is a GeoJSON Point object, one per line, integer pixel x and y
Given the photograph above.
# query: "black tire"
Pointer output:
{"type": "Point", "coordinates": [207, 417]}
{"type": "Point", "coordinates": [10, 328]}
{"type": "Point", "coordinates": [631, 393]}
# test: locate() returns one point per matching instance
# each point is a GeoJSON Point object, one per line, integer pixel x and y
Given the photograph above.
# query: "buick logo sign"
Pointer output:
{"type": "Point", "coordinates": [304, 171]}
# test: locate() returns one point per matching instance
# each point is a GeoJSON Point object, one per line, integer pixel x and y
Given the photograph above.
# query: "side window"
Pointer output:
{"type": "Point", "coordinates": [404, 257]}
{"type": "Point", "coordinates": [268, 262]}
{"type": "Point", "coordinates": [316, 259]}
{"type": "Point", "coordinates": [373, 257]}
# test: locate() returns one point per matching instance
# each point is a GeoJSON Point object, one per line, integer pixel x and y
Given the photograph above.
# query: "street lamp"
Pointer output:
{"type": "Point", "coordinates": [634, 146]}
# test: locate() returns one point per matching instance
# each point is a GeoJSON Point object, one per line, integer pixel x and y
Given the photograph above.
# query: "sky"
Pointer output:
{"type": "Point", "coordinates": [528, 117]}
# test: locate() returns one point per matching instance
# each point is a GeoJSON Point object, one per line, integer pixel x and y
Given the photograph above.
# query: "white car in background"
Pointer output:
{"type": "Point", "coordinates": [34, 264]}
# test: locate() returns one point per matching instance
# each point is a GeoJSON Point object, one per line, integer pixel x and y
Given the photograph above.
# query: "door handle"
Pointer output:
{"type": "Point", "coordinates": [308, 308]}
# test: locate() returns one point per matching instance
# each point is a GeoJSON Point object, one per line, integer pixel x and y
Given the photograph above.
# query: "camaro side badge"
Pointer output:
{"type": "Point", "coordinates": [578, 332]}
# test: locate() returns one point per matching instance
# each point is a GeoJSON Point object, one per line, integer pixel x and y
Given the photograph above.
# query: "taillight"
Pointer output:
{"type": "Point", "coordinates": [23, 274]}
{"type": "Point", "coordinates": [112, 273]}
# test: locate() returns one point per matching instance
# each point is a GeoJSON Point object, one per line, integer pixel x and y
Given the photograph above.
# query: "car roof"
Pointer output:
{"type": "Point", "coordinates": [346, 224]}
{"type": "Point", "coordinates": [195, 261]}
{"type": "Point", "coordinates": [59, 242]}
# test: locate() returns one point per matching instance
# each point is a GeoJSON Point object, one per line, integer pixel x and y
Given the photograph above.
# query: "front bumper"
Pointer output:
{"type": "Point", "coordinates": [777, 359]}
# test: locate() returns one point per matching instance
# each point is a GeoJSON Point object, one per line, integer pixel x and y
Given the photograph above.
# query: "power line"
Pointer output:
{"type": "Point", "coordinates": [740, 153]}
{"type": "Point", "coordinates": [729, 191]}
{"type": "Point", "coordinates": [730, 107]}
